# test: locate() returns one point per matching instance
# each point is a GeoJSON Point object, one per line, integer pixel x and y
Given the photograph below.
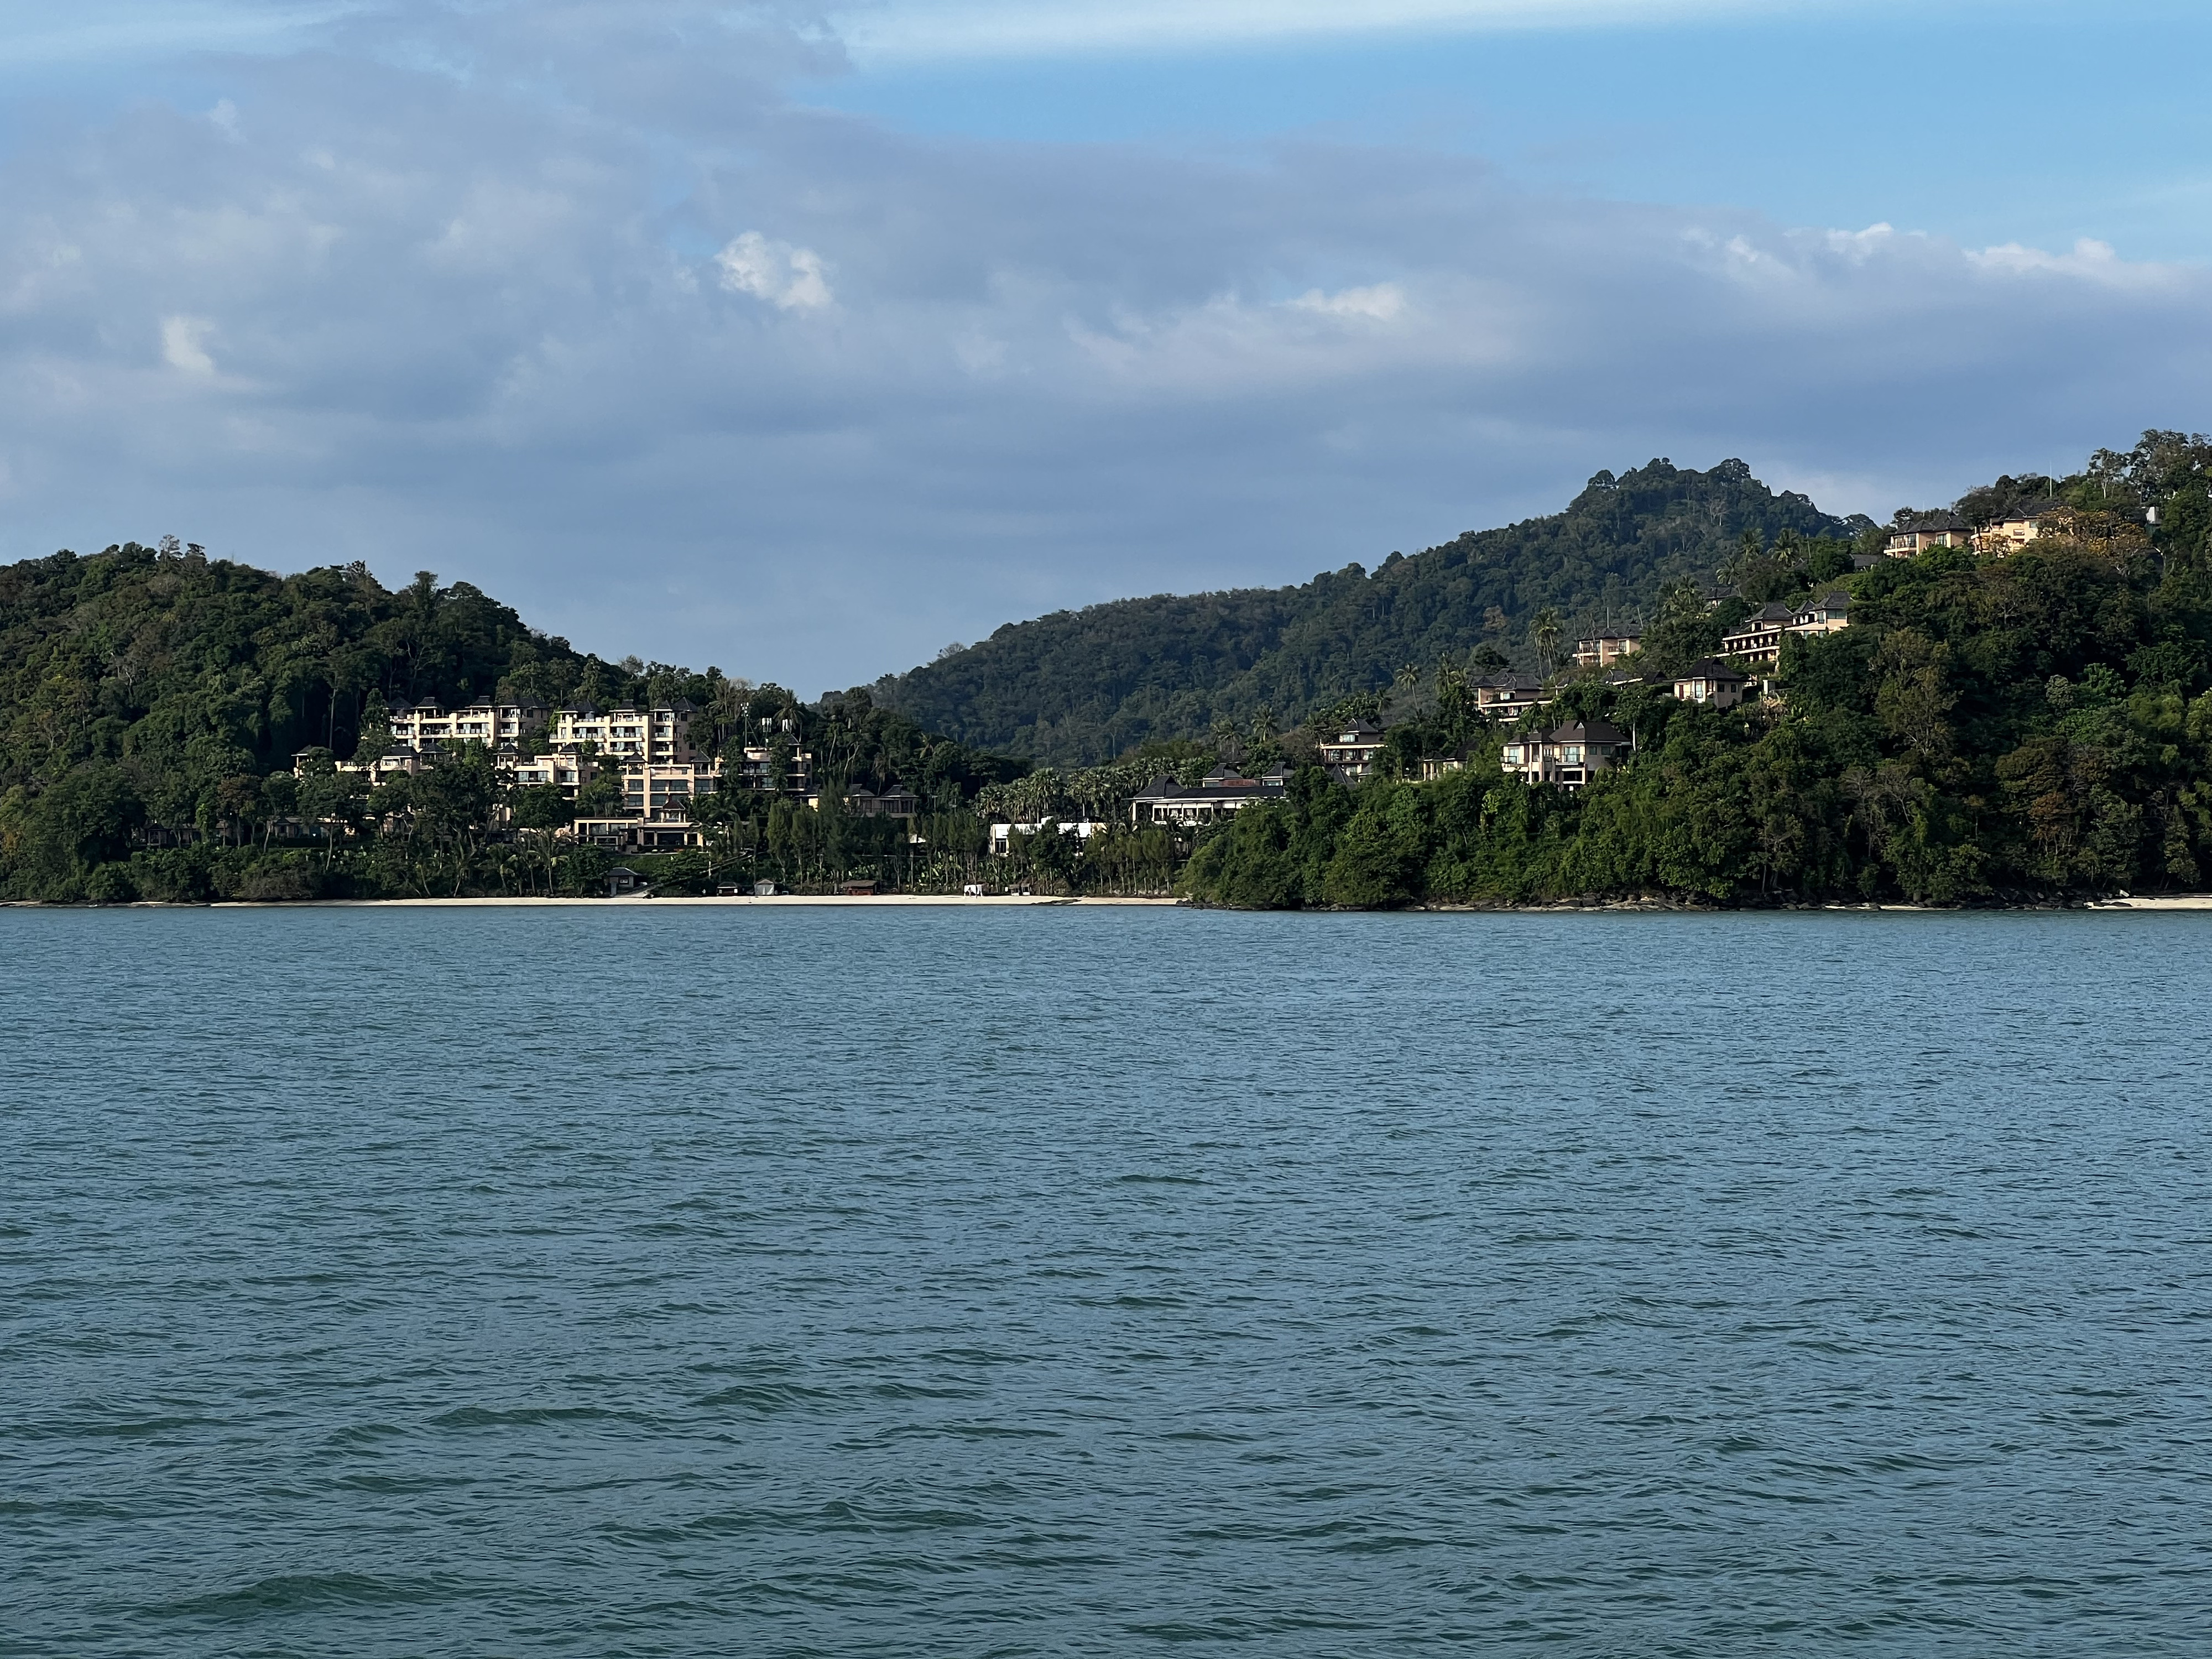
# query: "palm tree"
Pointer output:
{"type": "Point", "coordinates": [1547, 633]}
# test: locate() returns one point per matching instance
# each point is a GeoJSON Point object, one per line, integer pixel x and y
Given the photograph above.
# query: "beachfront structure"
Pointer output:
{"type": "Point", "coordinates": [1606, 647]}
{"type": "Point", "coordinates": [665, 834]}
{"type": "Point", "coordinates": [1710, 683]}
{"type": "Point", "coordinates": [1002, 834]}
{"type": "Point", "coordinates": [1569, 756]}
{"type": "Point", "coordinates": [1350, 754]}
{"type": "Point", "coordinates": [663, 792]}
{"type": "Point", "coordinates": [1165, 801]}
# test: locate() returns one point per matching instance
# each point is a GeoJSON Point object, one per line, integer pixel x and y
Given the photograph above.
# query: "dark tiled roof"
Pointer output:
{"type": "Point", "coordinates": [1586, 731]}
{"type": "Point", "coordinates": [1710, 668]}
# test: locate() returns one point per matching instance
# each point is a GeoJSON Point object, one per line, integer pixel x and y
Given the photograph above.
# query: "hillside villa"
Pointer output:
{"type": "Point", "coordinates": [1568, 756]}
{"type": "Point", "coordinates": [1607, 647]}
{"type": "Point", "coordinates": [1352, 753]}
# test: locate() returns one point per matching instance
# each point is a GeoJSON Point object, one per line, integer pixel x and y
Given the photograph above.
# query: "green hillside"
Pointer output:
{"type": "Point", "coordinates": [152, 700]}
{"type": "Point", "coordinates": [1081, 686]}
{"type": "Point", "coordinates": [2034, 726]}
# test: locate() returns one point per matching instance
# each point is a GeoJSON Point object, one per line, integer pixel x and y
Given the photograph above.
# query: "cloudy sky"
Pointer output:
{"type": "Point", "coordinates": [805, 339]}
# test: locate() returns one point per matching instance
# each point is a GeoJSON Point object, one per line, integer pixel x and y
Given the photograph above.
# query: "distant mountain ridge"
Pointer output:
{"type": "Point", "coordinates": [1079, 687]}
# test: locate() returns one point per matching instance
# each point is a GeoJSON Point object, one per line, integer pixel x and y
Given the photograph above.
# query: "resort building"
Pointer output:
{"type": "Point", "coordinates": [1165, 801]}
{"type": "Point", "coordinates": [759, 767]}
{"type": "Point", "coordinates": [1829, 614]}
{"type": "Point", "coordinates": [1711, 683]}
{"type": "Point", "coordinates": [894, 802]}
{"type": "Point", "coordinates": [1350, 754]}
{"type": "Point", "coordinates": [1603, 649]}
{"type": "Point", "coordinates": [1758, 637]}
{"type": "Point", "coordinates": [567, 772]}
{"type": "Point", "coordinates": [2010, 531]}
{"type": "Point", "coordinates": [422, 725]}
{"type": "Point", "coordinates": [1569, 756]}
{"type": "Point", "coordinates": [660, 735]}
{"type": "Point", "coordinates": [628, 834]}
{"type": "Point", "coordinates": [1002, 834]}
{"type": "Point", "coordinates": [1930, 530]}
{"type": "Point", "coordinates": [1509, 696]}
{"type": "Point", "coordinates": [663, 794]}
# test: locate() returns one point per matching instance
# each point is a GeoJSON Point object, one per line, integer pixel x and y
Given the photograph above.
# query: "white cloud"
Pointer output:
{"type": "Point", "coordinates": [927, 29]}
{"type": "Point", "coordinates": [184, 344]}
{"type": "Point", "coordinates": [787, 276]}
{"type": "Point", "coordinates": [470, 323]}
{"type": "Point", "coordinates": [1380, 303]}
{"type": "Point", "coordinates": [2088, 260]}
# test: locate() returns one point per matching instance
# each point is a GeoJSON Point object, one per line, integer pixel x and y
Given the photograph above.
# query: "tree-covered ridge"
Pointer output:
{"type": "Point", "coordinates": [199, 669]}
{"type": "Point", "coordinates": [1081, 687]}
{"type": "Point", "coordinates": [2032, 726]}
{"type": "Point", "coordinates": [153, 700]}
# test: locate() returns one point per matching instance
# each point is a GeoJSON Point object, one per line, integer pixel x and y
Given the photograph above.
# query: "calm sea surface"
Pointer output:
{"type": "Point", "coordinates": [684, 1281]}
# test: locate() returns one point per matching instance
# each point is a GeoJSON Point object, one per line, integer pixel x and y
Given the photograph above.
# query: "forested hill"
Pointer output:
{"type": "Point", "coordinates": [197, 669]}
{"type": "Point", "coordinates": [1082, 686]}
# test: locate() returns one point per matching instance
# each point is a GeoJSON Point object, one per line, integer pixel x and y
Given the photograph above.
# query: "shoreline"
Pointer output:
{"type": "Point", "coordinates": [1000, 901]}
{"type": "Point", "coordinates": [2169, 902]}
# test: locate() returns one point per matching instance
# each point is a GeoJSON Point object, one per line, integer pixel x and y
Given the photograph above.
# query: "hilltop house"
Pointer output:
{"type": "Point", "coordinates": [1569, 756]}
{"type": "Point", "coordinates": [1350, 754]}
{"type": "Point", "coordinates": [1509, 696]}
{"type": "Point", "coordinates": [2015, 529]}
{"type": "Point", "coordinates": [1929, 530]}
{"type": "Point", "coordinates": [1712, 683]}
{"type": "Point", "coordinates": [1603, 649]}
{"type": "Point", "coordinates": [1758, 637]}
{"type": "Point", "coordinates": [1829, 614]}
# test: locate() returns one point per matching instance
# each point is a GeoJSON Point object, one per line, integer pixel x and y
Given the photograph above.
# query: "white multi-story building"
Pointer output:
{"type": "Point", "coordinates": [660, 735]}
{"type": "Point", "coordinates": [424, 726]}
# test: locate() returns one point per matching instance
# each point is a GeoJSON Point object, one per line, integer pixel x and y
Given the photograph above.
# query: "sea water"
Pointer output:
{"type": "Point", "coordinates": [649, 1281]}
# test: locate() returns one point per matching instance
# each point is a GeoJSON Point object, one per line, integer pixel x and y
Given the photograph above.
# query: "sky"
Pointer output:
{"type": "Point", "coordinates": [807, 339]}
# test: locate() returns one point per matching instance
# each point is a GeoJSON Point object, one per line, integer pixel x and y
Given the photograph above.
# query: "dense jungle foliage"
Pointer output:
{"type": "Point", "coordinates": [1082, 687]}
{"type": "Point", "coordinates": [2031, 727]}
{"type": "Point", "coordinates": [152, 700]}
{"type": "Point", "coordinates": [1987, 729]}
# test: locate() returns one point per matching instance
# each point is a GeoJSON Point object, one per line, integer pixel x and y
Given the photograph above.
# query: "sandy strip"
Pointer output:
{"type": "Point", "coordinates": [879, 901]}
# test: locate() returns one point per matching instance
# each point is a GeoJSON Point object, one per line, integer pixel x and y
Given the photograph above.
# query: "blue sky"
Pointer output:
{"type": "Point", "coordinates": [804, 340]}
